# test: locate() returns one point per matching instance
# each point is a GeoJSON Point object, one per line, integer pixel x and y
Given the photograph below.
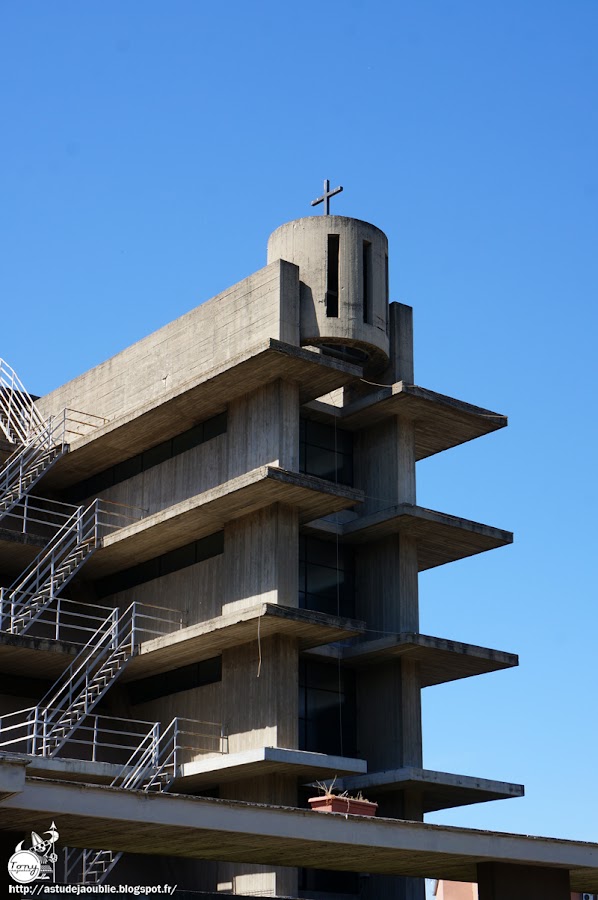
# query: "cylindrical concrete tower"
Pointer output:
{"type": "Point", "coordinates": [343, 270]}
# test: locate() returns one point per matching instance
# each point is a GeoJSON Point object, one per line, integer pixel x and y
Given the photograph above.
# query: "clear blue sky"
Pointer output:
{"type": "Point", "coordinates": [149, 148]}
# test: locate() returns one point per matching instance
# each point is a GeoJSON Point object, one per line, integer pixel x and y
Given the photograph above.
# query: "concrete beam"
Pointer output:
{"type": "Point", "coordinates": [202, 828]}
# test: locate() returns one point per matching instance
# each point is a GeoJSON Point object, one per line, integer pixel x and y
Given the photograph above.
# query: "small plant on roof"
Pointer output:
{"type": "Point", "coordinates": [332, 801]}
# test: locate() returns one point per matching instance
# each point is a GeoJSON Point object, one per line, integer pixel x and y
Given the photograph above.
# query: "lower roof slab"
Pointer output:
{"type": "Point", "coordinates": [438, 790]}
{"type": "Point", "coordinates": [214, 770]}
{"type": "Point", "coordinates": [201, 828]}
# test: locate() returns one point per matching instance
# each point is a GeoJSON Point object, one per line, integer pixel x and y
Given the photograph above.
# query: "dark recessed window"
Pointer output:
{"type": "Point", "coordinates": [325, 451]}
{"type": "Point", "coordinates": [367, 282]}
{"type": "Point", "coordinates": [327, 722]}
{"type": "Point", "coordinates": [326, 577]}
{"type": "Point", "coordinates": [332, 276]}
{"type": "Point", "coordinates": [209, 671]}
{"type": "Point", "coordinates": [193, 437]}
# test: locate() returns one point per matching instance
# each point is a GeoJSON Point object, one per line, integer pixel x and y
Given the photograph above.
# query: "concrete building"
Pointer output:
{"type": "Point", "coordinates": [209, 558]}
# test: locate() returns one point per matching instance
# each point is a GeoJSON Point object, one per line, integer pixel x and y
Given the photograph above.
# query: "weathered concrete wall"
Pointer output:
{"type": "Point", "coordinates": [195, 591]}
{"type": "Point", "coordinates": [260, 700]}
{"type": "Point", "coordinates": [261, 559]}
{"type": "Point", "coordinates": [265, 305]}
{"type": "Point", "coordinates": [263, 427]}
{"type": "Point", "coordinates": [202, 704]}
{"type": "Point", "coordinates": [189, 473]}
{"type": "Point", "coordinates": [261, 881]}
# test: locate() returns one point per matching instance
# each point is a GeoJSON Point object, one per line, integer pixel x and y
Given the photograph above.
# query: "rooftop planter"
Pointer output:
{"type": "Point", "coordinates": [329, 802]}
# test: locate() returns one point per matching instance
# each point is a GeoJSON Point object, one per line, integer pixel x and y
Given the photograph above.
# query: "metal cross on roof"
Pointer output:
{"type": "Point", "coordinates": [325, 198]}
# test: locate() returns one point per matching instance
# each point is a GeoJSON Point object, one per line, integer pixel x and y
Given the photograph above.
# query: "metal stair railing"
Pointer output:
{"type": "Point", "coordinates": [19, 417]}
{"type": "Point", "coordinates": [70, 547]}
{"type": "Point", "coordinates": [52, 570]}
{"type": "Point", "coordinates": [30, 461]}
{"type": "Point", "coordinates": [80, 688]}
{"type": "Point", "coordinates": [40, 447]}
{"type": "Point", "coordinates": [151, 765]}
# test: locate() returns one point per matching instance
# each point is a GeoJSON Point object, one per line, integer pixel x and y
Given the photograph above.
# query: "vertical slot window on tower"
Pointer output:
{"type": "Point", "coordinates": [332, 276]}
{"type": "Point", "coordinates": [367, 282]}
{"type": "Point", "coordinates": [386, 288]}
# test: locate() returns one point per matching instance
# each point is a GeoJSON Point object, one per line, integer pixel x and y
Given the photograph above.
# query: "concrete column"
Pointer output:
{"type": "Point", "coordinates": [400, 327]}
{"type": "Point", "coordinates": [265, 881]}
{"type": "Point", "coordinates": [259, 694]}
{"type": "Point", "coordinates": [385, 464]}
{"type": "Point", "coordinates": [389, 716]}
{"type": "Point", "coordinates": [411, 724]}
{"type": "Point", "coordinates": [263, 427]}
{"type": "Point", "coordinates": [387, 586]}
{"type": "Point", "coordinates": [261, 560]}
{"type": "Point", "coordinates": [503, 881]}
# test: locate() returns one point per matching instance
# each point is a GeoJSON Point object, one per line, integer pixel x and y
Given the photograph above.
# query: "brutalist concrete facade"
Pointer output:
{"type": "Point", "coordinates": [269, 440]}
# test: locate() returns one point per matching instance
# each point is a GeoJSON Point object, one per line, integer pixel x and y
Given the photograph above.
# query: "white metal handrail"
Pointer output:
{"type": "Point", "coordinates": [155, 763]}
{"type": "Point", "coordinates": [18, 414]}
{"type": "Point", "coordinates": [115, 633]}
{"type": "Point", "coordinates": [74, 621]}
{"type": "Point", "coordinates": [58, 562]}
{"type": "Point", "coordinates": [63, 620]}
{"type": "Point", "coordinates": [101, 737]}
{"type": "Point", "coordinates": [32, 510]}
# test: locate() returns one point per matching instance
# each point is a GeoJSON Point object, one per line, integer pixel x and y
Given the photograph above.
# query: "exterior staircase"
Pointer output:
{"type": "Point", "coordinates": [37, 587]}
{"type": "Point", "coordinates": [80, 688]}
{"type": "Point", "coordinates": [151, 767]}
{"type": "Point", "coordinates": [38, 442]}
{"type": "Point", "coordinates": [19, 417]}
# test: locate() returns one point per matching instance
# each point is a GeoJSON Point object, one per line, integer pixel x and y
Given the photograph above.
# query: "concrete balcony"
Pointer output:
{"type": "Point", "coordinates": [441, 538]}
{"type": "Point", "coordinates": [210, 511]}
{"type": "Point", "coordinates": [441, 422]}
{"type": "Point", "coordinates": [439, 660]}
{"type": "Point", "coordinates": [438, 790]}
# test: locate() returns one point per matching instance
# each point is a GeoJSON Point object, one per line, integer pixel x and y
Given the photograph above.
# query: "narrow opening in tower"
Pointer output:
{"type": "Point", "coordinates": [386, 287]}
{"type": "Point", "coordinates": [367, 282]}
{"type": "Point", "coordinates": [332, 276]}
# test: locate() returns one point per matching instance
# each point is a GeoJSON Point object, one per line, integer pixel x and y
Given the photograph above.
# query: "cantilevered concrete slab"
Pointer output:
{"type": "Point", "coordinates": [204, 395]}
{"type": "Point", "coordinates": [441, 422]}
{"type": "Point", "coordinates": [438, 790]}
{"type": "Point", "coordinates": [34, 657]}
{"type": "Point", "coordinates": [212, 637]}
{"type": "Point", "coordinates": [208, 771]}
{"type": "Point", "coordinates": [440, 660]}
{"type": "Point", "coordinates": [18, 550]}
{"type": "Point", "coordinates": [441, 538]}
{"type": "Point", "coordinates": [209, 511]}
{"type": "Point", "coordinates": [202, 828]}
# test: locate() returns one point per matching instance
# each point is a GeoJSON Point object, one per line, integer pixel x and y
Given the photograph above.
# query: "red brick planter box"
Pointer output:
{"type": "Point", "coordinates": [345, 805]}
